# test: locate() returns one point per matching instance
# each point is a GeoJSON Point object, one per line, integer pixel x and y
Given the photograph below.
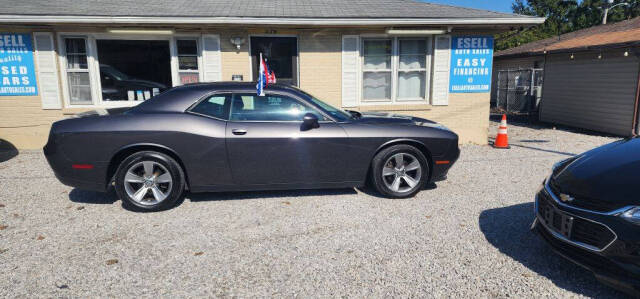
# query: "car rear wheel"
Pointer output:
{"type": "Point", "coordinates": [149, 181]}
{"type": "Point", "coordinates": [399, 171]}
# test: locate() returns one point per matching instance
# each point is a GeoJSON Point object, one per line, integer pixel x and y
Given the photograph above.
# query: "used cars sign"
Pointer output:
{"type": "Point", "coordinates": [471, 63]}
{"type": "Point", "coordinates": [17, 72]}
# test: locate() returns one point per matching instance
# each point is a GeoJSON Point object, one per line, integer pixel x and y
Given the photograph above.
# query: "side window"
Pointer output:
{"type": "Point", "coordinates": [216, 106]}
{"type": "Point", "coordinates": [251, 107]}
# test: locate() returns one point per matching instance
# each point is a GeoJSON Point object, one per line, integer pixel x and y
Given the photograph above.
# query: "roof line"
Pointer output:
{"type": "Point", "coordinates": [39, 19]}
{"type": "Point", "coordinates": [578, 49]}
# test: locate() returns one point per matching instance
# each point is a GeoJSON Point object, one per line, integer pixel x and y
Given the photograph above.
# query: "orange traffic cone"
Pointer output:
{"type": "Point", "coordinates": [502, 139]}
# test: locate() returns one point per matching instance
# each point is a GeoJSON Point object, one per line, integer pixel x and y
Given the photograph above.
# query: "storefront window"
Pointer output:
{"type": "Point", "coordinates": [188, 61]}
{"type": "Point", "coordinates": [133, 70]}
{"type": "Point", "coordinates": [77, 71]}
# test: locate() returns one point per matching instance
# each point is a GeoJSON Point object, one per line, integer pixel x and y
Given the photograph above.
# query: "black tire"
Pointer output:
{"type": "Point", "coordinates": [384, 156]}
{"type": "Point", "coordinates": [161, 161]}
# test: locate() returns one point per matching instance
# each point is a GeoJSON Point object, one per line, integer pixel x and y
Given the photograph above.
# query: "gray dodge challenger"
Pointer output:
{"type": "Point", "coordinates": [212, 137]}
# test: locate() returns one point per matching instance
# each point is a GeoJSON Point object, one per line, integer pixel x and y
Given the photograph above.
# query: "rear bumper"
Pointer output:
{"type": "Point", "coordinates": [87, 179]}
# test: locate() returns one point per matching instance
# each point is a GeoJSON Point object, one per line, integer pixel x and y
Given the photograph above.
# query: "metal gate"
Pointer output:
{"type": "Point", "coordinates": [519, 91]}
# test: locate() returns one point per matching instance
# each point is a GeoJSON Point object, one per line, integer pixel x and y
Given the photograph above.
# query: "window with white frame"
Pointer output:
{"type": "Point", "coordinates": [77, 71]}
{"type": "Point", "coordinates": [188, 69]}
{"type": "Point", "coordinates": [123, 70]}
{"type": "Point", "coordinates": [395, 69]}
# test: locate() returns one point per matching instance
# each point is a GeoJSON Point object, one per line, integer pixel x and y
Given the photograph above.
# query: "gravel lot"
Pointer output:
{"type": "Point", "coordinates": [467, 236]}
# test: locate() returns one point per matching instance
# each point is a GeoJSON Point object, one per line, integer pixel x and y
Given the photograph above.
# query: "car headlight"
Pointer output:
{"type": "Point", "coordinates": [632, 215]}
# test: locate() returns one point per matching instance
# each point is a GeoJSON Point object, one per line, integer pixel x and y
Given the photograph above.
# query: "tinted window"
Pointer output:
{"type": "Point", "coordinates": [252, 107]}
{"type": "Point", "coordinates": [216, 106]}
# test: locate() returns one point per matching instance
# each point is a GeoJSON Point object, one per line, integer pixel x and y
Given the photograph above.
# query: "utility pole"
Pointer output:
{"type": "Point", "coordinates": [606, 11]}
{"type": "Point", "coordinates": [608, 6]}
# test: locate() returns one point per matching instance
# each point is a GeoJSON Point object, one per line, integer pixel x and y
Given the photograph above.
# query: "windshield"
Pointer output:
{"type": "Point", "coordinates": [337, 114]}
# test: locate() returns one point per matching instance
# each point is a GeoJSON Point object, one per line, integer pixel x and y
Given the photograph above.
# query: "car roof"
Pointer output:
{"type": "Point", "coordinates": [179, 99]}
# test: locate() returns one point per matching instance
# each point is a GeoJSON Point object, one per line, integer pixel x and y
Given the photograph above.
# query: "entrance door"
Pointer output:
{"type": "Point", "coordinates": [280, 53]}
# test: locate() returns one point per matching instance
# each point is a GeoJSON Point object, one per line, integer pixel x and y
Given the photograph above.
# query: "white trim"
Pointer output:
{"type": "Point", "coordinates": [206, 52]}
{"type": "Point", "coordinates": [175, 62]}
{"type": "Point", "coordinates": [350, 67]}
{"type": "Point", "coordinates": [395, 70]}
{"type": "Point", "coordinates": [94, 66]}
{"type": "Point", "coordinates": [38, 19]}
{"type": "Point", "coordinates": [435, 100]}
{"type": "Point", "coordinates": [39, 55]}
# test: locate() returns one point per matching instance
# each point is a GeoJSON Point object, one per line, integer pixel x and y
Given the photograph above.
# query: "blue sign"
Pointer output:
{"type": "Point", "coordinates": [17, 71]}
{"type": "Point", "coordinates": [471, 64]}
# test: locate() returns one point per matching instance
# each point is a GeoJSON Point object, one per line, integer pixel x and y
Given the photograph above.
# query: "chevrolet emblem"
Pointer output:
{"type": "Point", "coordinates": [566, 198]}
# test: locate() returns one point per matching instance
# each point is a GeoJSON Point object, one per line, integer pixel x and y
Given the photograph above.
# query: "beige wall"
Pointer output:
{"type": "Point", "coordinates": [321, 65]}
{"type": "Point", "coordinates": [25, 124]}
{"type": "Point", "coordinates": [234, 61]}
{"type": "Point", "coordinates": [467, 115]}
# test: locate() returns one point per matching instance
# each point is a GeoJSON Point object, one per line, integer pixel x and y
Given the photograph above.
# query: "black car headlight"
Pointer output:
{"type": "Point", "coordinates": [632, 215]}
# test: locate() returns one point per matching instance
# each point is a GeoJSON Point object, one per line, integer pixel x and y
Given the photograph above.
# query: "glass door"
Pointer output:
{"type": "Point", "coordinates": [281, 55]}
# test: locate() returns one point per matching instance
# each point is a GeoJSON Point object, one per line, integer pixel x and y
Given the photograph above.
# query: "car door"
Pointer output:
{"type": "Point", "coordinates": [267, 144]}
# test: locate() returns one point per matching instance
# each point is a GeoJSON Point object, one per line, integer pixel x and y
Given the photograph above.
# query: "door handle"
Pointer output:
{"type": "Point", "coordinates": [239, 131]}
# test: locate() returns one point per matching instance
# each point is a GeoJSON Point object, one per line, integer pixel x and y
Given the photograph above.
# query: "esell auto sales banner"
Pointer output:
{"type": "Point", "coordinates": [471, 64]}
{"type": "Point", "coordinates": [17, 71]}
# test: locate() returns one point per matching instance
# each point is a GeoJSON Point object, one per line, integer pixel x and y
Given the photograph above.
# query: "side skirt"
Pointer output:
{"type": "Point", "coordinates": [265, 187]}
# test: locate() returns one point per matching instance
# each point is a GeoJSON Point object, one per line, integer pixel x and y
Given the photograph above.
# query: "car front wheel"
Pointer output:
{"type": "Point", "coordinates": [399, 171]}
{"type": "Point", "coordinates": [149, 181]}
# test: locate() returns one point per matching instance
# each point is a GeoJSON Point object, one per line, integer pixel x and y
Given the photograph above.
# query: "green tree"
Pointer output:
{"type": "Point", "coordinates": [562, 16]}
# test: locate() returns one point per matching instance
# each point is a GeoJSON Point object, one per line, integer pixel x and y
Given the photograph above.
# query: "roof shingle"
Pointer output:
{"type": "Point", "coordinates": [245, 8]}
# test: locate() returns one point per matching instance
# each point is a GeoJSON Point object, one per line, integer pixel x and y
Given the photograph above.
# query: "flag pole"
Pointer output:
{"type": "Point", "coordinates": [260, 80]}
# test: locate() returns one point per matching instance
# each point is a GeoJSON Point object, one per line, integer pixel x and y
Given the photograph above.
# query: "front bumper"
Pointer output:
{"type": "Point", "coordinates": [440, 171]}
{"type": "Point", "coordinates": [614, 262]}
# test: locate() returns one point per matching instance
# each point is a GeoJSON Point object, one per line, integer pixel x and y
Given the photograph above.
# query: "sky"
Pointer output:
{"type": "Point", "coordinates": [494, 5]}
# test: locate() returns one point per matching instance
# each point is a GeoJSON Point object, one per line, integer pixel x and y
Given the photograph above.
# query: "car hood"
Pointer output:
{"type": "Point", "coordinates": [609, 173]}
{"type": "Point", "coordinates": [375, 117]}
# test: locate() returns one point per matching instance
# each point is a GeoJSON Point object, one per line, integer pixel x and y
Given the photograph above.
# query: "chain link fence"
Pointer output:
{"type": "Point", "coordinates": [519, 91]}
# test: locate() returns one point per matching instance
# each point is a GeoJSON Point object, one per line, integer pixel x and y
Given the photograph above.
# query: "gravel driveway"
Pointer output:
{"type": "Point", "coordinates": [467, 236]}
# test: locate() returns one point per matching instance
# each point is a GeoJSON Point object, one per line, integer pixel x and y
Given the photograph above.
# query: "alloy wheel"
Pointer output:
{"type": "Point", "coordinates": [148, 183]}
{"type": "Point", "coordinates": [402, 172]}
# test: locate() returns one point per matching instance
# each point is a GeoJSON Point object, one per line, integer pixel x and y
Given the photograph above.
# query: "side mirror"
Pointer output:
{"type": "Point", "coordinates": [310, 121]}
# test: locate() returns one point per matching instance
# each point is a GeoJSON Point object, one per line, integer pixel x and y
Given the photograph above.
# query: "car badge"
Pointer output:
{"type": "Point", "coordinates": [566, 198]}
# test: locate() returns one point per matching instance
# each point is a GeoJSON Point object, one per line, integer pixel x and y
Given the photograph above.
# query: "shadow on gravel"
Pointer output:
{"type": "Point", "coordinates": [90, 197]}
{"type": "Point", "coordinates": [508, 230]}
{"type": "Point", "coordinates": [217, 196]}
{"type": "Point", "coordinates": [372, 192]}
{"type": "Point", "coordinates": [7, 151]}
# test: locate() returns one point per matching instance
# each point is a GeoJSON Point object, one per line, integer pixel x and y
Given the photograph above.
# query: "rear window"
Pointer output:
{"type": "Point", "coordinates": [215, 106]}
